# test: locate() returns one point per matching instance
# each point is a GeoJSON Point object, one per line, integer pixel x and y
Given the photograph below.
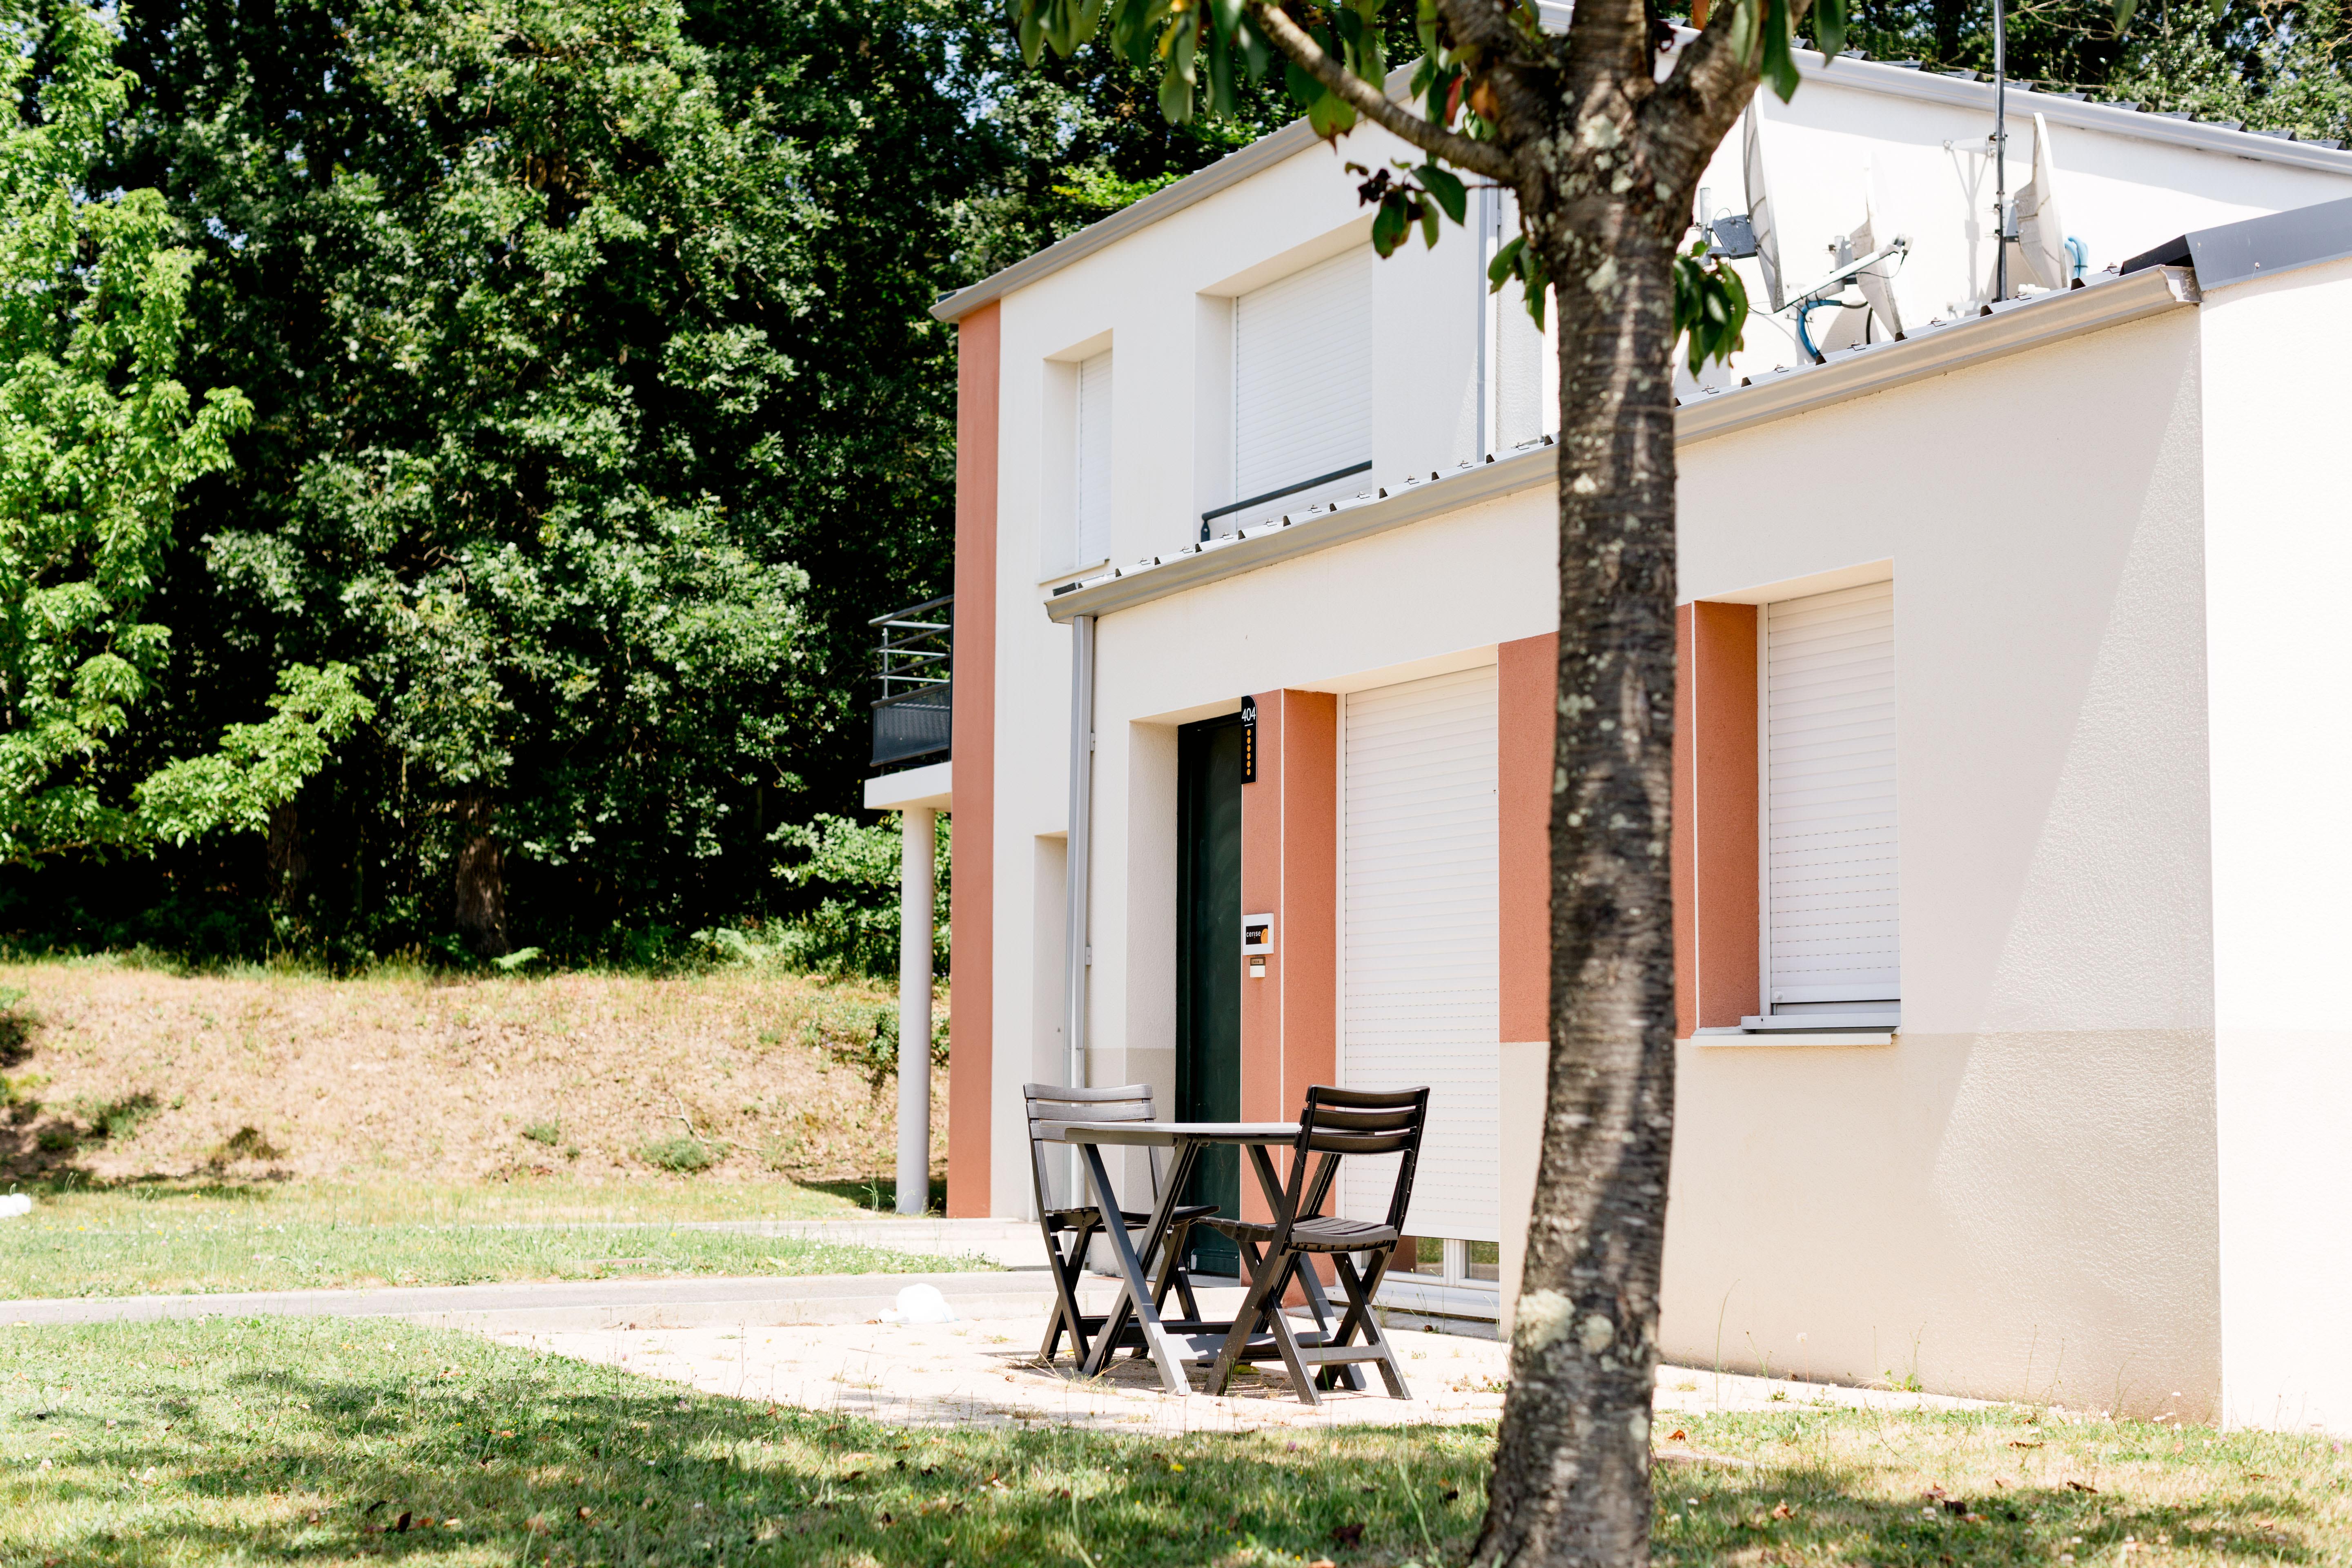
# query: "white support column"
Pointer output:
{"type": "Point", "coordinates": [918, 849]}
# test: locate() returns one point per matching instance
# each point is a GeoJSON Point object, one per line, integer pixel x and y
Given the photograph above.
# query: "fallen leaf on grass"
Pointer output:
{"type": "Point", "coordinates": [2022, 1443]}
{"type": "Point", "coordinates": [1782, 1511]}
{"type": "Point", "coordinates": [2081, 1487]}
{"type": "Point", "coordinates": [400, 1525]}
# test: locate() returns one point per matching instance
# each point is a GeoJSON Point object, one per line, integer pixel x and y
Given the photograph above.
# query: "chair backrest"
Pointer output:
{"type": "Point", "coordinates": [1053, 1104]}
{"type": "Point", "coordinates": [1338, 1122]}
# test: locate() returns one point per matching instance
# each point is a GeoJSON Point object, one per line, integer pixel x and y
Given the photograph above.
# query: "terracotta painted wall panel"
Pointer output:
{"type": "Point", "coordinates": [1310, 904]}
{"type": "Point", "coordinates": [973, 886]}
{"type": "Point", "coordinates": [1526, 678]}
{"type": "Point", "coordinates": [1682, 846]}
{"type": "Point", "coordinates": [1727, 908]}
{"type": "Point", "coordinates": [1262, 891]}
{"type": "Point", "coordinates": [1290, 869]}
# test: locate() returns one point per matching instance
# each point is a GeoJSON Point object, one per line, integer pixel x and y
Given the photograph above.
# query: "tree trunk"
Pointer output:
{"type": "Point", "coordinates": [1572, 1466]}
{"type": "Point", "coordinates": [481, 883]}
{"type": "Point", "coordinates": [289, 865]}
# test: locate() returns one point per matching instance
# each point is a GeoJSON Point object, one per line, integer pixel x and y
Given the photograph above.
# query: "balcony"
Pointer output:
{"type": "Point", "coordinates": [912, 717]}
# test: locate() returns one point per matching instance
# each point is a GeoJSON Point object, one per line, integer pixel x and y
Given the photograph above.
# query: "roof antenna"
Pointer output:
{"type": "Point", "coordinates": [1999, 155]}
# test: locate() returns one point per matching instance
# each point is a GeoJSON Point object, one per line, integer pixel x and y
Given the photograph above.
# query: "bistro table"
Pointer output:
{"type": "Point", "coordinates": [1186, 1140]}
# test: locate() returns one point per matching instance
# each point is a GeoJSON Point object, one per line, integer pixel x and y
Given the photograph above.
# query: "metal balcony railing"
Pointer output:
{"type": "Point", "coordinates": [918, 650]}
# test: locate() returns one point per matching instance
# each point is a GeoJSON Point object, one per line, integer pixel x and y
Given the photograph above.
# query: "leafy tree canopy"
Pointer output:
{"type": "Point", "coordinates": [455, 447]}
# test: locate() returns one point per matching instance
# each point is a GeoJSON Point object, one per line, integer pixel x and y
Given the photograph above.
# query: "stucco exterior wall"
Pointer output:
{"type": "Point", "coordinates": [2019, 1196]}
{"type": "Point", "coordinates": [2280, 672]}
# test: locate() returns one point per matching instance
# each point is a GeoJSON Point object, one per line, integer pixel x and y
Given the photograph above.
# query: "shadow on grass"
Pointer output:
{"type": "Point", "coordinates": [880, 1193]}
{"type": "Point", "coordinates": [314, 1441]}
{"type": "Point", "coordinates": [1804, 1514]}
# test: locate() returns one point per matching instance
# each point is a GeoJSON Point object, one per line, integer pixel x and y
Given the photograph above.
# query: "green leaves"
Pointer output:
{"type": "Point", "coordinates": [1518, 259]}
{"type": "Point", "coordinates": [1710, 307]}
{"type": "Point", "coordinates": [1779, 67]}
{"type": "Point", "coordinates": [1828, 27]}
{"type": "Point", "coordinates": [1402, 202]}
{"type": "Point", "coordinates": [97, 441]}
{"type": "Point", "coordinates": [1177, 39]}
{"type": "Point", "coordinates": [258, 767]}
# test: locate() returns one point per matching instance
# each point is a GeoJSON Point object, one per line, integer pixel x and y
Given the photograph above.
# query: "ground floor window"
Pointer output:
{"type": "Point", "coordinates": [1451, 1260]}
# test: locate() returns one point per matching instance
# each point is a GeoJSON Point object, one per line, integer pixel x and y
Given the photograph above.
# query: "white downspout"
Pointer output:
{"type": "Point", "coordinates": [918, 856]}
{"type": "Point", "coordinates": [1075, 957]}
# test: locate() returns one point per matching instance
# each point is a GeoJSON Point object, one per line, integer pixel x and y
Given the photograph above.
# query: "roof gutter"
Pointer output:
{"type": "Point", "coordinates": [2012, 327]}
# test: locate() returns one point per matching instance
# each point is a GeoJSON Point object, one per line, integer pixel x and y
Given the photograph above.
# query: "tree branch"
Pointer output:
{"type": "Point", "coordinates": [1482, 24]}
{"type": "Point", "coordinates": [1370, 100]}
{"type": "Point", "coordinates": [1710, 84]}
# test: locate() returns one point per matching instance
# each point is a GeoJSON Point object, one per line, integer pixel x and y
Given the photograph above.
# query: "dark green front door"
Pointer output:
{"type": "Point", "coordinates": [1209, 963]}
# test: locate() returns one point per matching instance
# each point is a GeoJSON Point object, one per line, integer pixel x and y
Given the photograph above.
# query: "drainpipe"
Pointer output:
{"type": "Point", "coordinates": [918, 854]}
{"type": "Point", "coordinates": [1075, 957]}
{"type": "Point", "coordinates": [1999, 155]}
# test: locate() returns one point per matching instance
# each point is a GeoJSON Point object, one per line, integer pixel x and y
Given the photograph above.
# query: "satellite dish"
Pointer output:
{"type": "Point", "coordinates": [1759, 202]}
{"type": "Point", "coordinates": [2040, 236]}
{"type": "Point", "coordinates": [1877, 282]}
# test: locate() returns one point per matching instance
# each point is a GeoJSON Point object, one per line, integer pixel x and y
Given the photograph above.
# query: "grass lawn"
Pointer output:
{"type": "Point", "coordinates": [143, 1237]}
{"type": "Point", "coordinates": [334, 1442]}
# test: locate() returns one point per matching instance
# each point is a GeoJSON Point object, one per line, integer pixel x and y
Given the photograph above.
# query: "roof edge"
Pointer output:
{"type": "Point", "coordinates": [2257, 247]}
{"type": "Point", "coordinates": [1193, 189]}
{"type": "Point", "coordinates": [1846, 71]}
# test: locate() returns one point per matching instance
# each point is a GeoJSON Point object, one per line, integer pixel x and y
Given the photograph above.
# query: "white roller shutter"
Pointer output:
{"type": "Point", "coordinates": [1094, 460]}
{"type": "Point", "coordinates": [1525, 366]}
{"type": "Point", "coordinates": [1302, 383]}
{"type": "Point", "coordinates": [1419, 928]}
{"type": "Point", "coordinates": [1829, 744]}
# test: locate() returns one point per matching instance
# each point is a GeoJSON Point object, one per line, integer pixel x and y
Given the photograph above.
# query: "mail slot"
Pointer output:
{"type": "Point", "coordinates": [1257, 941]}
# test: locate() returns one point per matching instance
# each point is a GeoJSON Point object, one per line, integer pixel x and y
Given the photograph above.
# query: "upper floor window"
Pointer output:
{"type": "Point", "coordinates": [1074, 488]}
{"type": "Point", "coordinates": [1302, 389]}
{"type": "Point", "coordinates": [1092, 482]}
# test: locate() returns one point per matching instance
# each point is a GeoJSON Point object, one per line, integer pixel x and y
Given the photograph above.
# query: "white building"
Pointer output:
{"type": "Point", "coordinates": [2009, 903]}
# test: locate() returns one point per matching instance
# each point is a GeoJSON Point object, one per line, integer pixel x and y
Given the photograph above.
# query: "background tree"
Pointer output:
{"type": "Point", "coordinates": [595, 406]}
{"type": "Point", "coordinates": [98, 441]}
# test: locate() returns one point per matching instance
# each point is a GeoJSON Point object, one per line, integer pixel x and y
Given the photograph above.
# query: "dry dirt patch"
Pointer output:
{"type": "Point", "coordinates": [125, 1072]}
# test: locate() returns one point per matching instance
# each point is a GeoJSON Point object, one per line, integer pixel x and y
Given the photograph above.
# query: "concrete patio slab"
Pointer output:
{"type": "Point", "coordinates": [986, 1371]}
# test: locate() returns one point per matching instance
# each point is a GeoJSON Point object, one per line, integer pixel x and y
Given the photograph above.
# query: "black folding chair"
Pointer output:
{"type": "Point", "coordinates": [1336, 1123]}
{"type": "Point", "coordinates": [1070, 1227]}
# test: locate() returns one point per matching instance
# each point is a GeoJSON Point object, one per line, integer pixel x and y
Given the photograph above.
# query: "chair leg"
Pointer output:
{"type": "Point", "coordinates": [1285, 1340]}
{"type": "Point", "coordinates": [1359, 1315]}
{"type": "Point", "coordinates": [1184, 1278]}
{"type": "Point", "coordinates": [1344, 1376]}
{"type": "Point", "coordinates": [1172, 1275]}
{"type": "Point", "coordinates": [1245, 1321]}
{"type": "Point", "coordinates": [1067, 1270]}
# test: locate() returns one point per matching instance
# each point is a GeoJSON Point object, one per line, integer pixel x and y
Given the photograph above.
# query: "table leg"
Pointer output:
{"type": "Point", "coordinates": [1135, 1291]}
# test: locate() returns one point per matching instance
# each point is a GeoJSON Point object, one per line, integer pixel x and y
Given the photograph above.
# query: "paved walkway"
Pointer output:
{"type": "Point", "coordinates": [575, 1304]}
{"type": "Point", "coordinates": [1007, 1243]}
